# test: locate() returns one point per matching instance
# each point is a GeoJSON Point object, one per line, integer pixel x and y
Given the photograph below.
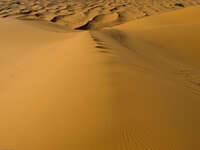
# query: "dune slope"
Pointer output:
{"type": "Point", "coordinates": [88, 14]}
{"type": "Point", "coordinates": [133, 86]}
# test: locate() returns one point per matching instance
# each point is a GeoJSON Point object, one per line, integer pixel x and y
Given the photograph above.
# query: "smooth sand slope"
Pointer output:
{"type": "Point", "coordinates": [131, 87]}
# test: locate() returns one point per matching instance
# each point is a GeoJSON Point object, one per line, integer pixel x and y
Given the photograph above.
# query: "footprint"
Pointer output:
{"type": "Point", "coordinates": [191, 79]}
{"type": "Point", "coordinates": [101, 47]}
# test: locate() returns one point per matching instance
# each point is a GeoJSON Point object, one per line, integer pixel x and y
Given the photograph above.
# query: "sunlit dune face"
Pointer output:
{"type": "Point", "coordinates": [99, 75]}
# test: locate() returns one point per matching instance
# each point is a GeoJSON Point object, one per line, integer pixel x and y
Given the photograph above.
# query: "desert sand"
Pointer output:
{"type": "Point", "coordinates": [89, 14]}
{"type": "Point", "coordinates": [112, 80]}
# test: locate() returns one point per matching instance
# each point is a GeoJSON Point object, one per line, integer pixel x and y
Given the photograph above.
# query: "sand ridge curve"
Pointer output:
{"type": "Point", "coordinates": [88, 14]}
{"type": "Point", "coordinates": [134, 86]}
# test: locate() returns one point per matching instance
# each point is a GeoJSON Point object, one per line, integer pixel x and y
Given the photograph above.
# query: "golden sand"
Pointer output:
{"type": "Point", "coordinates": [131, 86]}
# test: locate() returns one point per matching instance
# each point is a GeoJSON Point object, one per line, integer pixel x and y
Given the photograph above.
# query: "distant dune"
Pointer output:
{"type": "Point", "coordinates": [88, 14]}
{"type": "Point", "coordinates": [120, 81]}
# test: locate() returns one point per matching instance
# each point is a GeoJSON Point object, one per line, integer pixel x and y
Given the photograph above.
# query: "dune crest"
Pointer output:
{"type": "Point", "coordinates": [134, 86]}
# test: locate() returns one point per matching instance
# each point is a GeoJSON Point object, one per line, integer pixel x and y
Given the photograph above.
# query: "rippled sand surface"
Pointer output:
{"type": "Point", "coordinates": [87, 14]}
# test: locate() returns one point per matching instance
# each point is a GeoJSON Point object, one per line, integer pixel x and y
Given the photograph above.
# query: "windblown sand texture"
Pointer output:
{"type": "Point", "coordinates": [77, 14]}
{"type": "Point", "coordinates": [128, 77]}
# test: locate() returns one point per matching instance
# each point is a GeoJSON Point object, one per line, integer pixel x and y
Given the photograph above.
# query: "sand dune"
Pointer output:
{"type": "Point", "coordinates": [134, 86]}
{"type": "Point", "coordinates": [88, 14]}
